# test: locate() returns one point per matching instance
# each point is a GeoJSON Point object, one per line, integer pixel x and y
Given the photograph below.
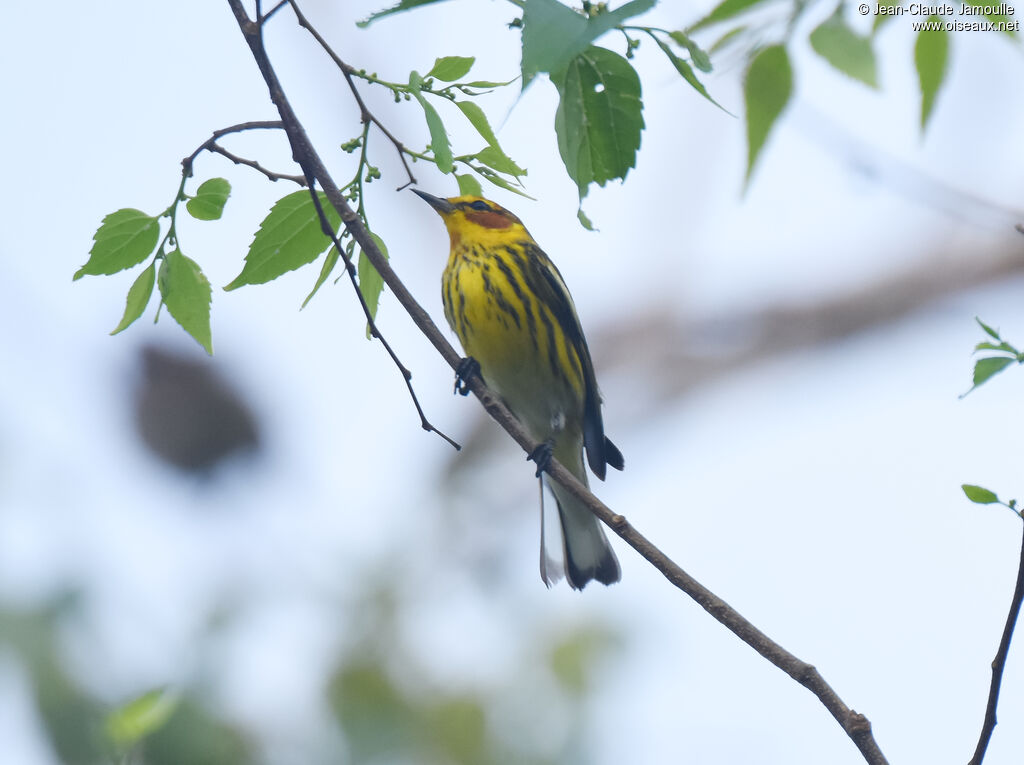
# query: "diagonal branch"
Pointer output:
{"type": "Point", "coordinates": [855, 725]}
{"type": "Point", "coordinates": [999, 664]}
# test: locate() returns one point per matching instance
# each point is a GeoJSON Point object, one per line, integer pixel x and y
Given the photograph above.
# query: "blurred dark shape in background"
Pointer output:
{"type": "Point", "coordinates": [189, 415]}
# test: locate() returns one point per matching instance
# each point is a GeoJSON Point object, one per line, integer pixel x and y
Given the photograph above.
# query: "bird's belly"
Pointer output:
{"type": "Point", "coordinates": [513, 346]}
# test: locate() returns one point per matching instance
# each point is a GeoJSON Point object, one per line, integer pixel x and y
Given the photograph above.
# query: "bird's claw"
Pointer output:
{"type": "Point", "coordinates": [464, 372]}
{"type": "Point", "coordinates": [542, 456]}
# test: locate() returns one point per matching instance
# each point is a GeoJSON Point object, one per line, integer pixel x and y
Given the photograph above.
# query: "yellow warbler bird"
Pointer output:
{"type": "Point", "coordinates": [514, 316]}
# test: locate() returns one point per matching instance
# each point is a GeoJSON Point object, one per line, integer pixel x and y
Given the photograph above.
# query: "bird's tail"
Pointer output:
{"type": "Point", "coordinates": [585, 548]}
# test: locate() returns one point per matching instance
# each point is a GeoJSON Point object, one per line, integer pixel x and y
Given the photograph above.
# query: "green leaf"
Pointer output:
{"type": "Point", "coordinates": [478, 119]}
{"type": "Point", "coordinates": [138, 297]}
{"type": "Point", "coordinates": [984, 369]}
{"type": "Point", "coordinates": [186, 292]}
{"type": "Point", "coordinates": [931, 54]}
{"type": "Point", "coordinates": [1006, 347]}
{"type": "Point", "coordinates": [405, 5]}
{"type": "Point", "coordinates": [438, 137]}
{"type": "Point", "coordinates": [451, 68]}
{"type": "Point", "coordinates": [370, 282]}
{"type": "Point", "coordinates": [492, 177]}
{"type": "Point", "coordinates": [124, 239]}
{"type": "Point", "coordinates": [134, 721]}
{"type": "Point", "coordinates": [496, 160]}
{"type": "Point", "coordinates": [485, 84]}
{"type": "Point", "coordinates": [727, 38]}
{"type": "Point", "coordinates": [724, 10]}
{"type": "Point", "coordinates": [584, 220]}
{"type": "Point", "coordinates": [468, 185]}
{"type": "Point", "coordinates": [208, 203]}
{"type": "Point", "coordinates": [599, 117]}
{"type": "Point", "coordinates": [766, 90]}
{"type": "Point", "coordinates": [553, 35]}
{"type": "Point", "coordinates": [325, 271]}
{"type": "Point", "coordinates": [687, 72]}
{"type": "Point", "coordinates": [844, 49]}
{"type": "Point", "coordinates": [979, 494]}
{"type": "Point", "coordinates": [700, 58]}
{"type": "Point", "coordinates": [289, 237]}
{"type": "Point", "coordinates": [994, 334]}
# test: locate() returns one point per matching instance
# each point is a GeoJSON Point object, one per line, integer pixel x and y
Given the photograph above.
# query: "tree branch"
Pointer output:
{"type": "Point", "coordinates": [306, 157]}
{"type": "Point", "coordinates": [211, 145]}
{"type": "Point", "coordinates": [855, 725]}
{"type": "Point", "coordinates": [999, 664]}
{"type": "Point", "coordinates": [364, 113]}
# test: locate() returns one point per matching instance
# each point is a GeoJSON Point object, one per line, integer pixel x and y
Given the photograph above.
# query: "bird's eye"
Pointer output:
{"type": "Point", "coordinates": [480, 206]}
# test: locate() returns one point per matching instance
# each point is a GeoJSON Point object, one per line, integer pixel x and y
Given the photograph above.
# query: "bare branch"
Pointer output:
{"type": "Point", "coordinates": [211, 145]}
{"type": "Point", "coordinates": [999, 664]}
{"type": "Point", "coordinates": [855, 725]}
{"type": "Point", "coordinates": [271, 175]}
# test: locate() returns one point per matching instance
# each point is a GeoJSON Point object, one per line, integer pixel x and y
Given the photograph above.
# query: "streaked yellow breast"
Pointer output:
{"type": "Point", "coordinates": [523, 352]}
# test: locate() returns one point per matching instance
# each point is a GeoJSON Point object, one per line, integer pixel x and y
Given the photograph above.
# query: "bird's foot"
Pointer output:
{"type": "Point", "coordinates": [542, 456]}
{"type": "Point", "coordinates": [464, 372]}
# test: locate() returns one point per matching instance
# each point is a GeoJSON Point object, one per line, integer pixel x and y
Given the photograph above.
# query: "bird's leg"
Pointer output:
{"type": "Point", "coordinates": [464, 372]}
{"type": "Point", "coordinates": [542, 456]}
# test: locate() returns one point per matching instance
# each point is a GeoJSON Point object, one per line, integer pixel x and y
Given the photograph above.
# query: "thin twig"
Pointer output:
{"type": "Point", "coordinates": [855, 725]}
{"type": "Point", "coordinates": [210, 144]}
{"type": "Point", "coordinates": [313, 167]}
{"type": "Point", "coordinates": [263, 19]}
{"type": "Point", "coordinates": [270, 174]}
{"type": "Point", "coordinates": [364, 113]}
{"type": "Point", "coordinates": [999, 664]}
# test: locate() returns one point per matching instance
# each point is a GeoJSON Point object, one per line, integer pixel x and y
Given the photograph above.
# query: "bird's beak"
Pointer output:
{"type": "Point", "coordinates": [443, 206]}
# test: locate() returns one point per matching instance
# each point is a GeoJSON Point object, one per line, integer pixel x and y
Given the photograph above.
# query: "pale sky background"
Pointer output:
{"type": "Point", "coordinates": [818, 493]}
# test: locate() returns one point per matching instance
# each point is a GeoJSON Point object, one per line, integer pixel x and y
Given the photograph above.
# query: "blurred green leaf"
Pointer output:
{"type": "Point", "coordinates": [193, 736]}
{"type": "Point", "coordinates": [138, 297]}
{"type": "Point", "coordinates": [438, 136]}
{"type": "Point", "coordinates": [457, 729]}
{"type": "Point", "coordinates": [686, 71]}
{"type": "Point", "coordinates": [370, 282]}
{"type": "Point", "coordinates": [451, 68]}
{"type": "Point", "coordinates": [931, 54]}
{"type": "Point", "coordinates": [988, 330]}
{"type": "Point", "coordinates": [376, 718]}
{"type": "Point", "coordinates": [698, 55]}
{"type": "Point", "coordinates": [724, 10]}
{"type": "Point", "coordinates": [469, 185]}
{"type": "Point", "coordinates": [766, 90]}
{"type": "Point", "coordinates": [979, 494]}
{"type": "Point", "coordinates": [844, 49]}
{"type": "Point", "coordinates": [210, 198]}
{"type": "Point", "coordinates": [289, 237]}
{"type": "Point", "coordinates": [125, 238]}
{"type": "Point", "coordinates": [404, 5]}
{"type": "Point", "coordinates": [554, 35]}
{"type": "Point", "coordinates": [139, 718]}
{"type": "Point", "coordinates": [984, 369]}
{"type": "Point", "coordinates": [599, 117]}
{"type": "Point", "coordinates": [187, 294]}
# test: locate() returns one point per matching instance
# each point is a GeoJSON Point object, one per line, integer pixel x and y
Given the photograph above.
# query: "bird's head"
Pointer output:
{"type": "Point", "coordinates": [472, 220]}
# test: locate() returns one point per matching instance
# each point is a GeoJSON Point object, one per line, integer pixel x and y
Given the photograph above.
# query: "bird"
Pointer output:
{"type": "Point", "coordinates": [513, 314]}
